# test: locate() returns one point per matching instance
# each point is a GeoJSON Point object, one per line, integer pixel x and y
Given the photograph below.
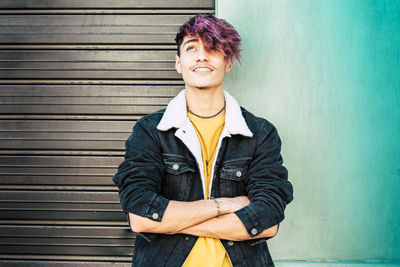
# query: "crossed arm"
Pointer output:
{"type": "Point", "coordinates": [267, 182]}
{"type": "Point", "coordinates": [199, 218]}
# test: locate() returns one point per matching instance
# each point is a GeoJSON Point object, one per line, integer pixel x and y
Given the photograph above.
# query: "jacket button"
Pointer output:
{"type": "Point", "coordinates": [175, 167]}
{"type": "Point", "coordinates": [238, 173]}
{"type": "Point", "coordinates": [187, 238]}
{"type": "Point", "coordinates": [254, 231]}
{"type": "Point", "coordinates": [154, 216]}
{"type": "Point", "coordinates": [230, 243]}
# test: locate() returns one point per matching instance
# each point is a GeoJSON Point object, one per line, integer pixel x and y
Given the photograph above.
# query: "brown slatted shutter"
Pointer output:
{"type": "Point", "coordinates": [74, 77]}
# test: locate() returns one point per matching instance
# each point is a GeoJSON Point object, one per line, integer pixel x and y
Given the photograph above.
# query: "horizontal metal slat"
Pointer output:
{"type": "Point", "coordinates": [45, 222]}
{"type": "Point", "coordinates": [67, 250]}
{"type": "Point", "coordinates": [98, 188]}
{"type": "Point", "coordinates": [52, 171]}
{"type": "Point", "coordinates": [88, 35]}
{"type": "Point", "coordinates": [86, 56]}
{"type": "Point", "coordinates": [63, 136]}
{"type": "Point", "coordinates": [74, 144]}
{"type": "Point", "coordinates": [78, 109]}
{"type": "Point", "coordinates": [80, 90]}
{"type": "Point", "coordinates": [64, 142]}
{"type": "Point", "coordinates": [86, 66]}
{"type": "Point", "coordinates": [90, 29]}
{"type": "Point", "coordinates": [107, 4]}
{"type": "Point", "coordinates": [113, 46]}
{"type": "Point", "coordinates": [84, 153]}
{"type": "Point", "coordinates": [82, 100]}
{"type": "Point", "coordinates": [80, 105]}
{"type": "Point", "coordinates": [58, 171]}
{"type": "Point", "coordinates": [59, 196]}
{"type": "Point", "coordinates": [65, 241]}
{"type": "Point", "coordinates": [91, 74]}
{"type": "Point", "coordinates": [63, 261]}
{"type": "Point", "coordinates": [62, 215]}
{"type": "Point", "coordinates": [92, 82]}
{"type": "Point", "coordinates": [59, 206]}
{"type": "Point", "coordinates": [66, 231]}
{"type": "Point", "coordinates": [66, 126]}
{"type": "Point", "coordinates": [49, 241]}
{"type": "Point", "coordinates": [87, 38]}
{"type": "Point", "coordinates": [73, 235]}
{"type": "Point", "coordinates": [43, 59]}
{"type": "Point", "coordinates": [61, 162]}
{"type": "Point", "coordinates": [7, 177]}
{"type": "Point", "coordinates": [108, 11]}
{"type": "Point", "coordinates": [98, 20]}
{"type": "Point", "coordinates": [90, 64]}
{"type": "Point", "coordinates": [67, 118]}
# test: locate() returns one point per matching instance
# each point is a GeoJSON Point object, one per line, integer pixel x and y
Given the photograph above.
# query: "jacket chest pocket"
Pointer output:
{"type": "Point", "coordinates": [178, 179]}
{"type": "Point", "coordinates": [232, 176]}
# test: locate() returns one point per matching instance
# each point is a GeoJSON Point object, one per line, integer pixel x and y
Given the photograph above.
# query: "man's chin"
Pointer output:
{"type": "Point", "coordinates": [203, 87]}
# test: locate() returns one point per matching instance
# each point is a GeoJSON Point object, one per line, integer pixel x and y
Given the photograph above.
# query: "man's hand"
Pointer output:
{"type": "Point", "coordinates": [230, 205]}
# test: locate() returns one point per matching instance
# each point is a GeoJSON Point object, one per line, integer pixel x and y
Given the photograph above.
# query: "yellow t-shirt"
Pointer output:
{"type": "Point", "coordinates": [208, 251]}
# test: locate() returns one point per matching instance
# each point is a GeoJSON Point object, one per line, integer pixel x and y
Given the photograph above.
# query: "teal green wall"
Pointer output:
{"type": "Point", "coordinates": [327, 74]}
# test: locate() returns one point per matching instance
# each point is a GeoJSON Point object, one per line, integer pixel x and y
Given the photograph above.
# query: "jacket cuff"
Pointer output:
{"type": "Point", "coordinates": [157, 207]}
{"type": "Point", "coordinates": [251, 221]}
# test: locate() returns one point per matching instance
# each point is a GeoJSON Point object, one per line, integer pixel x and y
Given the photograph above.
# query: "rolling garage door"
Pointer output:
{"type": "Point", "coordinates": [74, 77]}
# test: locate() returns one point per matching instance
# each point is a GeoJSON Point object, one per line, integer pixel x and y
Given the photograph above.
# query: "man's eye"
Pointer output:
{"type": "Point", "coordinates": [190, 48]}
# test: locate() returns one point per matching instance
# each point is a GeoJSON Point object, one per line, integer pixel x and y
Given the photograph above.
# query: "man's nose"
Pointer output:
{"type": "Point", "coordinates": [202, 55]}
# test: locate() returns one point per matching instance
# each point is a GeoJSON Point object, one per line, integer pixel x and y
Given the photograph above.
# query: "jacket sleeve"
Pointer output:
{"type": "Point", "coordinates": [140, 175]}
{"type": "Point", "coordinates": [268, 187]}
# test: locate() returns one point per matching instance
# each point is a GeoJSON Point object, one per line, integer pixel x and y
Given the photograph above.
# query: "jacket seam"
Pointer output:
{"type": "Point", "coordinates": [152, 129]}
{"type": "Point", "coordinates": [260, 136]}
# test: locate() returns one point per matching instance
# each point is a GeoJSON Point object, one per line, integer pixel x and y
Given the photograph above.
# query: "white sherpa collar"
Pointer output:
{"type": "Point", "coordinates": [175, 115]}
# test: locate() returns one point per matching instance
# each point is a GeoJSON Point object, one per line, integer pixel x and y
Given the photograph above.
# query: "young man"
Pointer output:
{"type": "Point", "coordinates": [203, 181]}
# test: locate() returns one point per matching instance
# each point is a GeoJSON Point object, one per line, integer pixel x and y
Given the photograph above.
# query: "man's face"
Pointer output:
{"type": "Point", "coordinates": [200, 68]}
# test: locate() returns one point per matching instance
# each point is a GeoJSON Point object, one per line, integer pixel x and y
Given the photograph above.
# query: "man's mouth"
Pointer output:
{"type": "Point", "coordinates": [202, 68]}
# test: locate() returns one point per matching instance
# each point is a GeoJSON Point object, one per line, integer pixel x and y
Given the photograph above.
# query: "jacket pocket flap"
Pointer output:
{"type": "Point", "coordinates": [233, 173]}
{"type": "Point", "coordinates": [177, 165]}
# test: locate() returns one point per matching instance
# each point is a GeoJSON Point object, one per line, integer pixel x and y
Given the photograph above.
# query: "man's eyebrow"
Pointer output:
{"type": "Point", "coordinates": [190, 41]}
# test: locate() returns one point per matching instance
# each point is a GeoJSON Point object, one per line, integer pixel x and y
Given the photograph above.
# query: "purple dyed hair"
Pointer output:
{"type": "Point", "coordinates": [216, 34]}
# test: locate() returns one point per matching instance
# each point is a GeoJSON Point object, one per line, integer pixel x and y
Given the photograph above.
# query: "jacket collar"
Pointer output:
{"type": "Point", "coordinates": [175, 115]}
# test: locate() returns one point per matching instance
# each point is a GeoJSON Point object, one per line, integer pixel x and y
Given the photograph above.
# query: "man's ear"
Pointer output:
{"type": "Point", "coordinates": [178, 64]}
{"type": "Point", "coordinates": [229, 65]}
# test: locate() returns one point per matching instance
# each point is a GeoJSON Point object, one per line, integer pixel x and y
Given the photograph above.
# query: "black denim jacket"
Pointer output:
{"type": "Point", "coordinates": [159, 167]}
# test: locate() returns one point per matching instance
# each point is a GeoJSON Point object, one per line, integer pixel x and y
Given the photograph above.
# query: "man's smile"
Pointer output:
{"type": "Point", "coordinates": [202, 68]}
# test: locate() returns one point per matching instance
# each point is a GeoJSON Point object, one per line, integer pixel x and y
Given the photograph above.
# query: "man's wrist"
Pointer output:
{"type": "Point", "coordinates": [230, 205]}
{"type": "Point", "coordinates": [218, 207]}
{"type": "Point", "coordinates": [225, 205]}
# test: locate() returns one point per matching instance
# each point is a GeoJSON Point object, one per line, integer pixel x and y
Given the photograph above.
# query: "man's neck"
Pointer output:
{"type": "Point", "coordinates": [205, 102]}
